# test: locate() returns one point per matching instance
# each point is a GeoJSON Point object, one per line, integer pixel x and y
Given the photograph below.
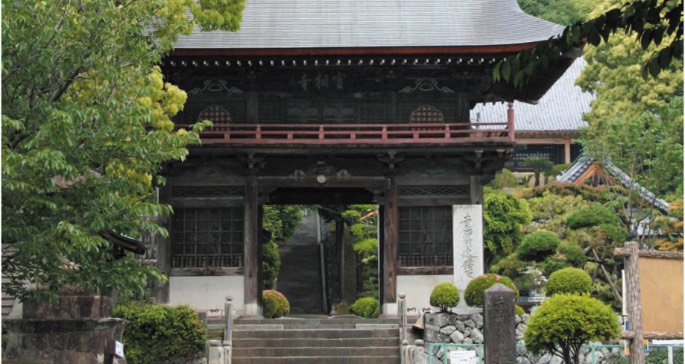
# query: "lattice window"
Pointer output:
{"type": "Point", "coordinates": [425, 236]}
{"type": "Point", "coordinates": [209, 237]}
{"type": "Point", "coordinates": [426, 114]}
{"type": "Point", "coordinates": [407, 191]}
{"type": "Point", "coordinates": [207, 191]}
{"type": "Point", "coordinates": [215, 114]}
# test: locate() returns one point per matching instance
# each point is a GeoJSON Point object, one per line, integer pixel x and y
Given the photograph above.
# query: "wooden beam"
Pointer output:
{"type": "Point", "coordinates": [425, 270]}
{"type": "Point", "coordinates": [251, 244]}
{"type": "Point", "coordinates": [476, 190]}
{"type": "Point", "coordinates": [390, 227]}
{"type": "Point", "coordinates": [656, 254]}
{"type": "Point", "coordinates": [653, 335]}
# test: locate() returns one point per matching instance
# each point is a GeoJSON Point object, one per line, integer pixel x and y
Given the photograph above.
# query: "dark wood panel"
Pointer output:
{"type": "Point", "coordinates": [194, 272]}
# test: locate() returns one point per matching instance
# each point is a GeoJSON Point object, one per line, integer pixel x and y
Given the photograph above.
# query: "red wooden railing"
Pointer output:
{"type": "Point", "coordinates": [358, 133]}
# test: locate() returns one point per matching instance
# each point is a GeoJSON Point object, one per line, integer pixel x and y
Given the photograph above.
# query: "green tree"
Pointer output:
{"type": "Point", "coordinates": [540, 166]}
{"type": "Point", "coordinates": [503, 217]}
{"type": "Point", "coordinates": [564, 322]}
{"type": "Point", "coordinates": [565, 12]}
{"type": "Point", "coordinates": [86, 122]}
{"type": "Point", "coordinates": [657, 23]}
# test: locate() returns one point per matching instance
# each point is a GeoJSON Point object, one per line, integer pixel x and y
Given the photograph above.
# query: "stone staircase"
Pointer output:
{"type": "Point", "coordinates": [300, 276]}
{"type": "Point", "coordinates": [316, 340]}
{"type": "Point", "coordinates": [7, 301]}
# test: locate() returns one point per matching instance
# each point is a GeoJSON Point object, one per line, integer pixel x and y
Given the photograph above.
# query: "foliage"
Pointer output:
{"type": "Point", "coordinates": [563, 12]}
{"type": "Point", "coordinates": [503, 216]}
{"type": "Point", "coordinates": [364, 226]}
{"type": "Point", "coordinates": [558, 169]}
{"type": "Point", "coordinates": [550, 211]}
{"type": "Point", "coordinates": [540, 166]}
{"type": "Point", "coordinates": [367, 307]}
{"type": "Point", "coordinates": [538, 245]}
{"type": "Point", "coordinates": [519, 310]}
{"type": "Point", "coordinates": [671, 227]}
{"type": "Point", "coordinates": [444, 296]}
{"type": "Point", "coordinates": [504, 179]}
{"type": "Point", "coordinates": [281, 220]}
{"type": "Point", "coordinates": [477, 287]}
{"type": "Point", "coordinates": [275, 304]}
{"type": "Point", "coordinates": [271, 264]}
{"type": "Point", "coordinates": [600, 194]}
{"type": "Point", "coordinates": [590, 216]}
{"type": "Point", "coordinates": [510, 266]}
{"type": "Point", "coordinates": [158, 333]}
{"type": "Point", "coordinates": [569, 280]}
{"type": "Point", "coordinates": [572, 254]}
{"type": "Point", "coordinates": [86, 129]}
{"type": "Point", "coordinates": [656, 24]}
{"type": "Point", "coordinates": [564, 322]}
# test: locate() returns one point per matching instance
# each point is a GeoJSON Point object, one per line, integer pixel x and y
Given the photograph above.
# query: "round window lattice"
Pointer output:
{"type": "Point", "coordinates": [426, 114]}
{"type": "Point", "coordinates": [206, 191]}
{"type": "Point", "coordinates": [434, 190]}
{"type": "Point", "coordinates": [215, 114]}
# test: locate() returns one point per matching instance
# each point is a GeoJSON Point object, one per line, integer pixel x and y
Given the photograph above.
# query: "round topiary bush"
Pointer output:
{"type": "Point", "coordinates": [538, 245]}
{"type": "Point", "coordinates": [275, 304]}
{"type": "Point", "coordinates": [569, 280]}
{"type": "Point", "coordinates": [593, 215]}
{"type": "Point", "coordinates": [564, 322]}
{"type": "Point", "coordinates": [444, 296]}
{"type": "Point", "coordinates": [476, 288]}
{"type": "Point", "coordinates": [368, 307]}
{"type": "Point", "coordinates": [159, 334]}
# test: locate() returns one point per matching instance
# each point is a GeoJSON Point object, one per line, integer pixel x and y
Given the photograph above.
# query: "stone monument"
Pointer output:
{"type": "Point", "coordinates": [467, 230]}
{"type": "Point", "coordinates": [499, 325]}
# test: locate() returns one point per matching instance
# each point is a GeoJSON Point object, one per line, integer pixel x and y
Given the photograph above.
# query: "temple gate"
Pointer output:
{"type": "Point", "coordinates": [303, 117]}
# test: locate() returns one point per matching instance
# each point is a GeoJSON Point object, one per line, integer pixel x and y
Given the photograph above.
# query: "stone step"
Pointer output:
{"type": "Point", "coordinates": [315, 334]}
{"type": "Point", "coordinates": [314, 351]}
{"type": "Point", "coordinates": [308, 342]}
{"type": "Point", "coordinates": [395, 359]}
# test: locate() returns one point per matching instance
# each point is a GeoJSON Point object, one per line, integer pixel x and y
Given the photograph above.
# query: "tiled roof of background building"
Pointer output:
{"type": "Point", "coordinates": [376, 23]}
{"type": "Point", "coordinates": [560, 109]}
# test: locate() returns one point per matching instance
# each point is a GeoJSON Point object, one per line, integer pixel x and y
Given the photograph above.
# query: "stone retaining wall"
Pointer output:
{"type": "Point", "coordinates": [449, 328]}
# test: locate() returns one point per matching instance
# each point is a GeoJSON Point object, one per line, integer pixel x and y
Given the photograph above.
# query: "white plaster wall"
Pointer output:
{"type": "Point", "coordinates": [418, 288]}
{"type": "Point", "coordinates": [206, 293]}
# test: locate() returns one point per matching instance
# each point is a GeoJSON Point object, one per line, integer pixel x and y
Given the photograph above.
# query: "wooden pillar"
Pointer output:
{"type": "Point", "coordinates": [390, 235]}
{"type": "Point", "coordinates": [637, 352]}
{"type": "Point", "coordinates": [476, 190]}
{"type": "Point", "coordinates": [251, 247]}
{"type": "Point", "coordinates": [567, 152]}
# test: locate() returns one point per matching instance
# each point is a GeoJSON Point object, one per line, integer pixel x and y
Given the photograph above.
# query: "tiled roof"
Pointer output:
{"type": "Point", "coordinates": [584, 162]}
{"type": "Point", "coordinates": [376, 23]}
{"type": "Point", "coordinates": [560, 109]}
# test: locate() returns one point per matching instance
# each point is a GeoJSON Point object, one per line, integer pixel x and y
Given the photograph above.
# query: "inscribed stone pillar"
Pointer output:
{"type": "Point", "coordinates": [467, 243]}
{"type": "Point", "coordinates": [499, 325]}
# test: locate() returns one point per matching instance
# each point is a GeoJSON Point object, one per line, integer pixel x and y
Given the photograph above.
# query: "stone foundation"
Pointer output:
{"type": "Point", "coordinates": [74, 330]}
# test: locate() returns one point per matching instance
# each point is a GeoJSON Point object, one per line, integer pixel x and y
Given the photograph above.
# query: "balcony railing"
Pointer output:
{"type": "Point", "coordinates": [381, 134]}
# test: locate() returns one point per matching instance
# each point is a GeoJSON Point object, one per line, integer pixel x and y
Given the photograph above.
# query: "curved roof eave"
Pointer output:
{"type": "Point", "coordinates": [341, 25]}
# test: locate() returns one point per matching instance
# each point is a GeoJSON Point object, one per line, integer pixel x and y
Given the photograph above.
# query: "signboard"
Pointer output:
{"type": "Point", "coordinates": [118, 349]}
{"type": "Point", "coordinates": [661, 294]}
{"type": "Point", "coordinates": [463, 357]}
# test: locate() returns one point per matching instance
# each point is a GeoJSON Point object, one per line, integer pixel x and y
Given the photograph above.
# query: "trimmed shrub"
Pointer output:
{"type": "Point", "coordinates": [538, 245]}
{"type": "Point", "coordinates": [510, 266]}
{"type": "Point", "coordinates": [275, 304]}
{"type": "Point", "coordinates": [157, 333]}
{"type": "Point", "coordinates": [569, 280]}
{"type": "Point", "coordinates": [593, 215]}
{"type": "Point", "coordinates": [368, 307]}
{"type": "Point", "coordinates": [444, 296]}
{"type": "Point", "coordinates": [564, 322]}
{"type": "Point", "coordinates": [476, 288]}
{"type": "Point", "coordinates": [552, 264]}
{"type": "Point", "coordinates": [572, 254]}
{"type": "Point", "coordinates": [504, 179]}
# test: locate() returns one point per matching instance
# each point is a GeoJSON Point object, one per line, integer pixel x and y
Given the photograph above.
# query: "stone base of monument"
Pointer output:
{"type": "Point", "coordinates": [74, 330]}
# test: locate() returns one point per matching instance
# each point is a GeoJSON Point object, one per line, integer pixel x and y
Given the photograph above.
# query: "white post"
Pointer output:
{"type": "Point", "coordinates": [670, 354]}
